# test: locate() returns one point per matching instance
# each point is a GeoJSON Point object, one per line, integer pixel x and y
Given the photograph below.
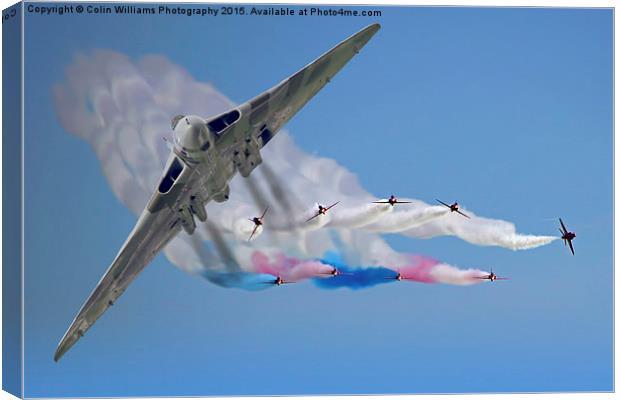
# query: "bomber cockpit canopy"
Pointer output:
{"type": "Point", "coordinates": [175, 121]}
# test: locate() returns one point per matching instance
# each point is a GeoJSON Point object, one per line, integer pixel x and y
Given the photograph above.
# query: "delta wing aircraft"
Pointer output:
{"type": "Point", "coordinates": [205, 155]}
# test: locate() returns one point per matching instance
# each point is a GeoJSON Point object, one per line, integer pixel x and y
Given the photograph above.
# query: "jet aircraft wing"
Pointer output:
{"type": "Point", "coordinates": [151, 233]}
{"type": "Point", "coordinates": [253, 232]}
{"type": "Point", "coordinates": [265, 114]}
{"type": "Point", "coordinates": [313, 217]}
{"type": "Point", "coordinates": [463, 214]}
{"type": "Point", "coordinates": [443, 203]}
{"type": "Point", "coordinates": [570, 244]}
{"type": "Point", "coordinates": [328, 208]}
{"type": "Point", "coordinates": [148, 237]}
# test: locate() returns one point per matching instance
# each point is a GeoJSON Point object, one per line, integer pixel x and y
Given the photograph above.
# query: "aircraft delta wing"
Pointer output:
{"type": "Point", "coordinates": [204, 158]}
{"type": "Point", "coordinates": [265, 114]}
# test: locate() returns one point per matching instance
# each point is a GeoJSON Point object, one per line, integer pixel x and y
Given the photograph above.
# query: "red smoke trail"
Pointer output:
{"type": "Point", "coordinates": [419, 269]}
{"type": "Point", "coordinates": [289, 268]}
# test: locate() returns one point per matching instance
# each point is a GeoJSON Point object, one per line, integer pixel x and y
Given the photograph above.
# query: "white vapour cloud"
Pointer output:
{"type": "Point", "coordinates": [444, 273]}
{"type": "Point", "coordinates": [123, 108]}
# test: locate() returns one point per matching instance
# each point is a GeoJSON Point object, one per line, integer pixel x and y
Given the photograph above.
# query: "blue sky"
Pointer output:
{"type": "Point", "coordinates": [507, 110]}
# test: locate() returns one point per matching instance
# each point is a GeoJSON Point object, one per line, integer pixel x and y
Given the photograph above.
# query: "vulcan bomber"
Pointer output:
{"type": "Point", "coordinates": [205, 155]}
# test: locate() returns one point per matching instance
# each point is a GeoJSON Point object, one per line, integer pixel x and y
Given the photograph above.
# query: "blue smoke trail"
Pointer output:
{"type": "Point", "coordinates": [240, 280]}
{"type": "Point", "coordinates": [358, 278]}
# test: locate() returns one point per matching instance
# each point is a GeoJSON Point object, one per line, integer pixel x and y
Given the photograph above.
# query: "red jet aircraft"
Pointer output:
{"type": "Point", "coordinates": [258, 221]}
{"type": "Point", "coordinates": [492, 277]}
{"type": "Point", "coordinates": [336, 272]}
{"type": "Point", "coordinates": [278, 281]}
{"type": "Point", "coordinates": [398, 277]}
{"type": "Point", "coordinates": [567, 236]}
{"type": "Point", "coordinates": [454, 207]}
{"type": "Point", "coordinates": [321, 211]}
{"type": "Point", "coordinates": [391, 201]}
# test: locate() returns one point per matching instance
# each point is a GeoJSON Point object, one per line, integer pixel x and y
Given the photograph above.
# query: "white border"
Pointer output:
{"type": "Point", "coordinates": [475, 3]}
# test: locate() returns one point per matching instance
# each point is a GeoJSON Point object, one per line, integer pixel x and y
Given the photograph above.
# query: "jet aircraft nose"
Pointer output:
{"type": "Point", "coordinates": [191, 133]}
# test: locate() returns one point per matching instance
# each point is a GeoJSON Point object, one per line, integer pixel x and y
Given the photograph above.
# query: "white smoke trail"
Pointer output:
{"type": "Point", "coordinates": [123, 109]}
{"type": "Point", "coordinates": [403, 220]}
{"type": "Point", "coordinates": [444, 273]}
{"type": "Point", "coordinates": [358, 217]}
{"type": "Point", "coordinates": [480, 231]}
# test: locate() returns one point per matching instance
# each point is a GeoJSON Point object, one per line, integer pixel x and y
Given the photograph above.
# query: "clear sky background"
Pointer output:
{"type": "Point", "coordinates": [509, 111]}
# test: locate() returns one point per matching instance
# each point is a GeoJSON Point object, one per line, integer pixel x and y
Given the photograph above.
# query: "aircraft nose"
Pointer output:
{"type": "Point", "coordinates": [190, 134]}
